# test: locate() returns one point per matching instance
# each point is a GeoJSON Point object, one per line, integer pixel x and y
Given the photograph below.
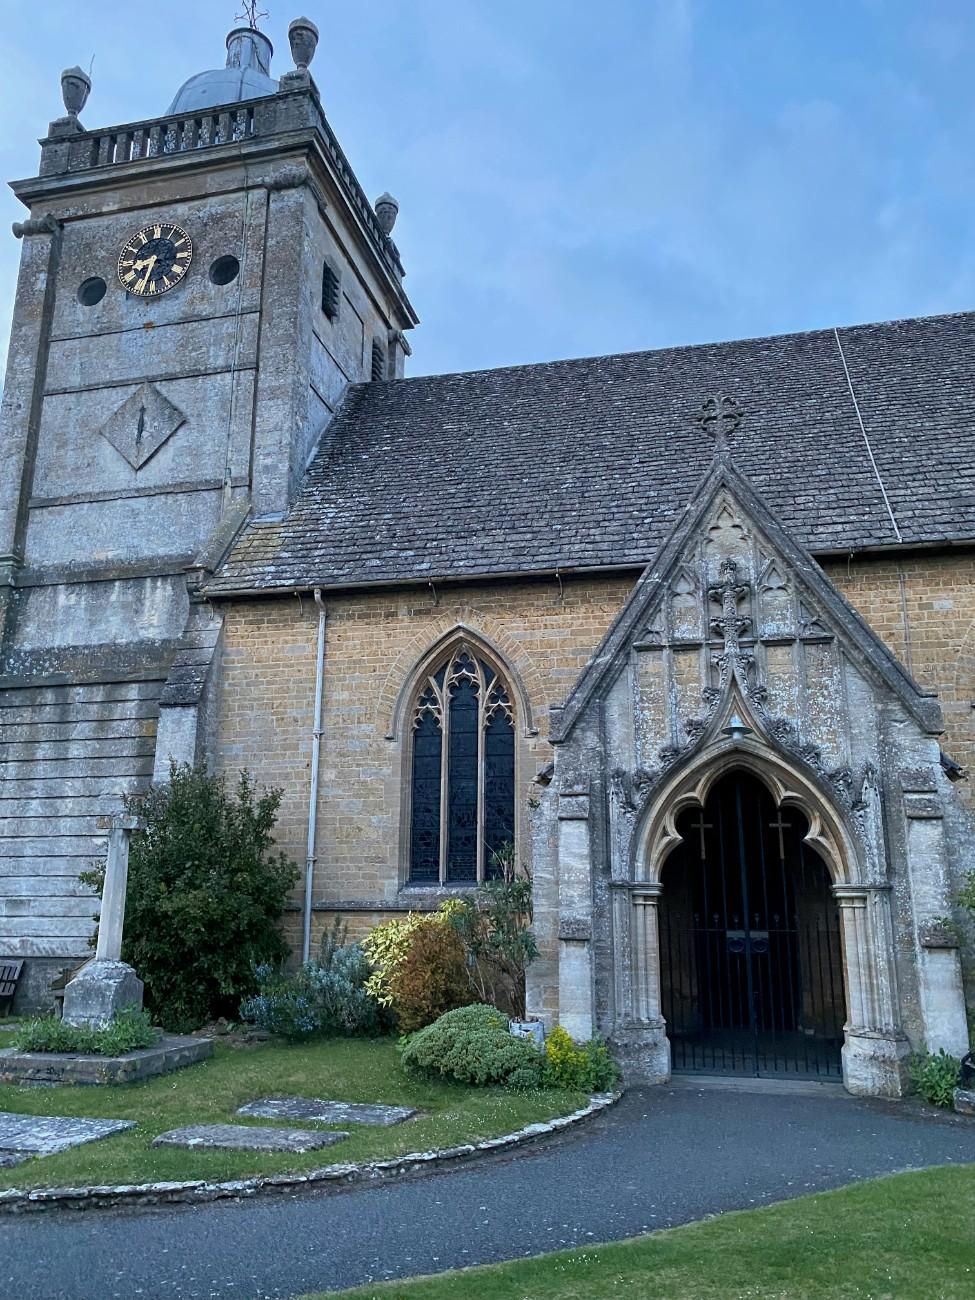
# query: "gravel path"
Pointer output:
{"type": "Point", "coordinates": [663, 1156]}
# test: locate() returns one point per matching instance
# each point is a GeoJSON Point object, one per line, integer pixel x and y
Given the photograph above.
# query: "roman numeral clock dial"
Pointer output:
{"type": "Point", "coordinates": [155, 260]}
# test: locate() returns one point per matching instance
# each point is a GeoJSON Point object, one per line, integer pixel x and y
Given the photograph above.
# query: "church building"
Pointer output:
{"type": "Point", "coordinates": [693, 630]}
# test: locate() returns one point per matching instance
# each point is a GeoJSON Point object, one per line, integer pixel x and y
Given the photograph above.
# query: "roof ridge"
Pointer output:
{"type": "Point", "coordinates": [826, 331]}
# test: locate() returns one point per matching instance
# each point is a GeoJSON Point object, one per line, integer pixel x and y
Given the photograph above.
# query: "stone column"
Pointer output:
{"type": "Point", "coordinates": [875, 1049]}
{"type": "Point", "coordinates": [641, 1038]}
{"type": "Point", "coordinates": [106, 985]}
{"type": "Point", "coordinates": [575, 915]}
{"type": "Point", "coordinates": [284, 348]}
{"type": "Point", "coordinates": [23, 391]}
{"type": "Point", "coordinates": [939, 974]}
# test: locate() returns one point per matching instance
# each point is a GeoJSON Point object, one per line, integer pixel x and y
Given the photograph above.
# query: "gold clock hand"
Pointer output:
{"type": "Point", "coordinates": [145, 278]}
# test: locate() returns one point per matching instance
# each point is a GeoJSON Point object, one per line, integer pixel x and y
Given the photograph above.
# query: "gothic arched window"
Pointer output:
{"type": "Point", "coordinates": [462, 772]}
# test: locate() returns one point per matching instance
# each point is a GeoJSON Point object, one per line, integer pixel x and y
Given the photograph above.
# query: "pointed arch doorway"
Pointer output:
{"type": "Point", "coordinates": [750, 952]}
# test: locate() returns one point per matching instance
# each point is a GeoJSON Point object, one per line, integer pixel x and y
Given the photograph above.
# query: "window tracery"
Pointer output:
{"type": "Point", "coordinates": [461, 772]}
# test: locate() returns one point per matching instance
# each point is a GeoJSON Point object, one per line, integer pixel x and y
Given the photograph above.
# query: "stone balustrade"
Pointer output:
{"type": "Point", "coordinates": [68, 152]}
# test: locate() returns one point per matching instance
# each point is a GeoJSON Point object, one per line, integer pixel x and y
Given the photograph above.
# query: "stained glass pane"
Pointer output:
{"type": "Point", "coordinates": [462, 783]}
{"type": "Point", "coordinates": [425, 821]}
{"type": "Point", "coordinates": [499, 788]}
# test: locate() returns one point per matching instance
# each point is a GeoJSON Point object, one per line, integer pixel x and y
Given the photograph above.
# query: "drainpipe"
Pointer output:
{"type": "Point", "coordinates": [316, 749]}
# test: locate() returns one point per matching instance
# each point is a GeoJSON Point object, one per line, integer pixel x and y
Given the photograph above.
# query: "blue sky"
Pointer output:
{"type": "Point", "coordinates": [580, 178]}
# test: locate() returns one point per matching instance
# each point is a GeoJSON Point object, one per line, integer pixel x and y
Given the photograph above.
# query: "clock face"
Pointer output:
{"type": "Point", "coordinates": [155, 260]}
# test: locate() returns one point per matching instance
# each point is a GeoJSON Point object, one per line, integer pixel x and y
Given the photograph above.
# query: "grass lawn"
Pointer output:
{"type": "Point", "coordinates": [341, 1070]}
{"type": "Point", "coordinates": [908, 1237]}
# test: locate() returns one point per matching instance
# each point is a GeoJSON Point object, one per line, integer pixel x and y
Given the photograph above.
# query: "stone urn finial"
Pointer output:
{"type": "Point", "coordinates": [75, 89]}
{"type": "Point", "coordinates": [303, 36]}
{"type": "Point", "coordinates": [387, 210]}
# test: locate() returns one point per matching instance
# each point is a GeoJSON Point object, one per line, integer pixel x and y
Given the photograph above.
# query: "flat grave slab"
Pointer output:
{"type": "Point", "coordinates": [242, 1137]}
{"type": "Point", "coordinates": [172, 1052]}
{"type": "Point", "coordinates": [46, 1135]}
{"type": "Point", "coordinates": [326, 1112]}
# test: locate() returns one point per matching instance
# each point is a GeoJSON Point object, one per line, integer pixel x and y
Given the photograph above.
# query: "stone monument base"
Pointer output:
{"type": "Point", "coordinates": [172, 1052]}
{"type": "Point", "coordinates": [99, 991]}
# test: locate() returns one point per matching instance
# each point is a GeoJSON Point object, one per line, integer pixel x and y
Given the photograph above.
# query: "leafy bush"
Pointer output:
{"type": "Point", "coordinates": [387, 946]}
{"type": "Point", "coordinates": [206, 892]}
{"type": "Point", "coordinates": [326, 998]}
{"type": "Point", "coordinates": [935, 1076]}
{"type": "Point", "coordinates": [495, 926]}
{"type": "Point", "coordinates": [472, 1045]}
{"type": "Point", "coordinates": [129, 1031]}
{"type": "Point", "coordinates": [432, 979]}
{"type": "Point", "coordinates": [586, 1066]}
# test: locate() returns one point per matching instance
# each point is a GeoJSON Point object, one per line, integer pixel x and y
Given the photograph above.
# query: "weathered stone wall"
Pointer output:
{"type": "Point", "coordinates": [374, 643]}
{"type": "Point", "coordinates": [923, 606]}
{"type": "Point", "coordinates": [375, 640]}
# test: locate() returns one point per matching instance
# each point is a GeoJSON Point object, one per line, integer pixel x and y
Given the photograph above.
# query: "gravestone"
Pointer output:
{"type": "Point", "coordinates": [45, 1135]}
{"type": "Point", "coordinates": [242, 1137]}
{"type": "Point", "coordinates": [106, 985]}
{"type": "Point", "coordinates": [326, 1112]}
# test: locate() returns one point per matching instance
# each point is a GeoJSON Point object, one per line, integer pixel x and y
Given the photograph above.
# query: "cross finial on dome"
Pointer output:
{"type": "Point", "coordinates": [250, 14]}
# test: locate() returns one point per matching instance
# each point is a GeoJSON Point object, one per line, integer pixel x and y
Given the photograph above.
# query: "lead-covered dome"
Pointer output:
{"type": "Point", "coordinates": [246, 76]}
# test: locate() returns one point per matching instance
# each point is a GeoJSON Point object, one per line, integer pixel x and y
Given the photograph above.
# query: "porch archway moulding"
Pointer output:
{"type": "Point", "coordinates": [829, 834]}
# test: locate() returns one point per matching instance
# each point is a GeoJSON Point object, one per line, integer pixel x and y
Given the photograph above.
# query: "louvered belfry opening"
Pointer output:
{"type": "Point", "coordinates": [751, 961]}
{"type": "Point", "coordinates": [462, 778]}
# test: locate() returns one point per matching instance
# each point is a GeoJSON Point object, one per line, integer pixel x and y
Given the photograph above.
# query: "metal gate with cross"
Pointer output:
{"type": "Point", "coordinates": [751, 964]}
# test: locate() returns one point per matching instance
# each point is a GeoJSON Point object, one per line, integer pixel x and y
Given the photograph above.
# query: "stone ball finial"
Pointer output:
{"type": "Point", "coordinates": [75, 89]}
{"type": "Point", "coordinates": [387, 210]}
{"type": "Point", "coordinates": [303, 37]}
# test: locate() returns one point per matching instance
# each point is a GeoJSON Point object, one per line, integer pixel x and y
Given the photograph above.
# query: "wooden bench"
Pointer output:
{"type": "Point", "coordinates": [9, 975]}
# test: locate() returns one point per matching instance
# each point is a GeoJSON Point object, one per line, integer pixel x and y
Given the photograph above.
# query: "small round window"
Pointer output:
{"type": "Point", "coordinates": [91, 291]}
{"type": "Point", "coordinates": [225, 269]}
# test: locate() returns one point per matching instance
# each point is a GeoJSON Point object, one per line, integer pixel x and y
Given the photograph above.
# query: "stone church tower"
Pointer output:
{"type": "Point", "coordinates": [140, 427]}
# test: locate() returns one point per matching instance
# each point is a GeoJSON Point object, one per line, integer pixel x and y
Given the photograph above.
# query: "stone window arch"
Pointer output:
{"type": "Point", "coordinates": [460, 770]}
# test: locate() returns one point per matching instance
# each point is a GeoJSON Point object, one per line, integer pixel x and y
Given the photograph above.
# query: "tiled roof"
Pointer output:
{"type": "Point", "coordinates": [587, 463]}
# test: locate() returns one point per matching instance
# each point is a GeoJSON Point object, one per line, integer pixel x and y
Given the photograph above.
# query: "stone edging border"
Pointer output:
{"type": "Point", "coordinates": [342, 1175]}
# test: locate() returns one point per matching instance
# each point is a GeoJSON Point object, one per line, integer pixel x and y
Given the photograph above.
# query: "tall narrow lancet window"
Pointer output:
{"type": "Point", "coordinates": [462, 777]}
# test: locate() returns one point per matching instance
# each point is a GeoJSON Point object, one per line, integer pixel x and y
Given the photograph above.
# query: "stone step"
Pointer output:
{"type": "Point", "coordinates": [52, 850]}
{"type": "Point", "coordinates": [43, 927]}
{"type": "Point", "coordinates": [78, 787]}
{"type": "Point", "coordinates": [53, 732]}
{"type": "Point", "coordinates": [21, 771]}
{"type": "Point", "coordinates": [59, 750]}
{"type": "Point", "coordinates": [50, 905]}
{"type": "Point", "coordinates": [99, 692]}
{"type": "Point", "coordinates": [38, 886]}
{"type": "Point", "coordinates": [94, 711]}
{"type": "Point", "coordinates": [82, 824]}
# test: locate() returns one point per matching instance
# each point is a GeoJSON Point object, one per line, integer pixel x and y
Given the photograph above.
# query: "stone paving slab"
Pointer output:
{"type": "Point", "coordinates": [45, 1135]}
{"type": "Point", "coordinates": [242, 1137]}
{"type": "Point", "coordinates": [326, 1112]}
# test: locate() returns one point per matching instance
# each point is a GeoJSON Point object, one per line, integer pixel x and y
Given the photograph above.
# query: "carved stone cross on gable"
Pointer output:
{"type": "Point", "coordinates": [720, 416]}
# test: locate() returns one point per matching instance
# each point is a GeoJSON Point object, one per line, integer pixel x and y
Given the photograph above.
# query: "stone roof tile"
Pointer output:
{"type": "Point", "coordinates": [587, 463]}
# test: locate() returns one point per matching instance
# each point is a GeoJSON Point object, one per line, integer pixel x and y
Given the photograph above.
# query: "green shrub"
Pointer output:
{"type": "Point", "coordinates": [495, 927]}
{"type": "Point", "coordinates": [387, 947]}
{"type": "Point", "coordinates": [129, 1031]}
{"type": "Point", "coordinates": [206, 892]}
{"type": "Point", "coordinates": [431, 980]}
{"type": "Point", "coordinates": [935, 1076]}
{"type": "Point", "coordinates": [324, 998]}
{"type": "Point", "coordinates": [586, 1066]}
{"type": "Point", "coordinates": [472, 1045]}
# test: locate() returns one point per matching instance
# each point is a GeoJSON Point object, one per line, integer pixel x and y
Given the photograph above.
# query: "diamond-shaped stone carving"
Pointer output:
{"type": "Point", "coordinates": [141, 425]}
